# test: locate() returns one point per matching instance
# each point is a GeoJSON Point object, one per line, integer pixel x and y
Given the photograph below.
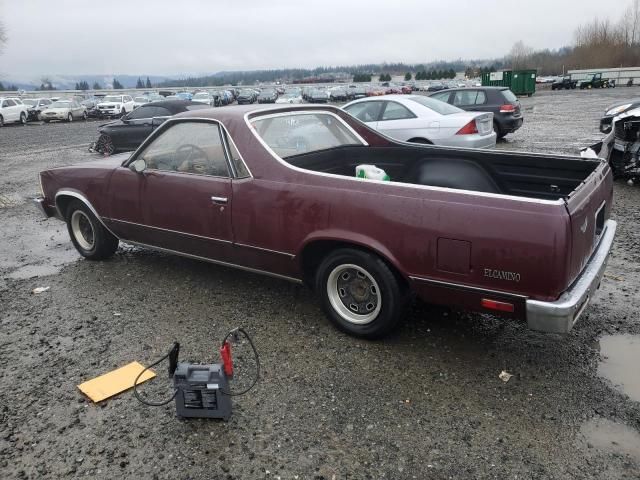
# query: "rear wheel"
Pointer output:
{"type": "Point", "coordinates": [84, 116]}
{"type": "Point", "coordinates": [360, 294]}
{"type": "Point", "coordinates": [498, 130]}
{"type": "Point", "coordinates": [1, 121]}
{"type": "Point", "coordinates": [422, 141]}
{"type": "Point", "coordinates": [23, 118]}
{"type": "Point", "coordinates": [70, 118]}
{"type": "Point", "coordinates": [92, 240]}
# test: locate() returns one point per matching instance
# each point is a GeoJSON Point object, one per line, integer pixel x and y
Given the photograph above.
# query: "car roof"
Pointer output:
{"type": "Point", "coordinates": [237, 112]}
{"type": "Point", "coordinates": [174, 106]}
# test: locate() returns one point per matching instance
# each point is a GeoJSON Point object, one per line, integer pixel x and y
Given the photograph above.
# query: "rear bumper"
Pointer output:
{"type": "Point", "coordinates": [560, 316]}
{"type": "Point", "coordinates": [469, 141]}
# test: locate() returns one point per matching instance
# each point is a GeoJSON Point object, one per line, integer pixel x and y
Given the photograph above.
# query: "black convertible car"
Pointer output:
{"type": "Point", "coordinates": [128, 132]}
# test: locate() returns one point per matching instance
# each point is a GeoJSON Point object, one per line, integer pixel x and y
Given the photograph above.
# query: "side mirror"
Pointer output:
{"type": "Point", "coordinates": [138, 166]}
{"type": "Point", "coordinates": [157, 121]}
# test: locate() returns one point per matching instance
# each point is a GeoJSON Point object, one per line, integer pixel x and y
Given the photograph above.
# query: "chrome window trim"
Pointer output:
{"type": "Point", "coordinates": [170, 121]}
{"type": "Point", "coordinates": [170, 231]}
{"type": "Point", "coordinates": [83, 199]}
{"type": "Point", "coordinates": [217, 262]}
{"type": "Point", "coordinates": [560, 201]}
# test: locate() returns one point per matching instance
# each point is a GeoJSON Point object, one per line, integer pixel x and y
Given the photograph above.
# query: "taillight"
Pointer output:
{"type": "Point", "coordinates": [468, 129]}
{"type": "Point", "coordinates": [507, 108]}
{"type": "Point", "coordinates": [496, 305]}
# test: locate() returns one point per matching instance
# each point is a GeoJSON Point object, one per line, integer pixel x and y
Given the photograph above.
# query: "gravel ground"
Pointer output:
{"type": "Point", "coordinates": [425, 403]}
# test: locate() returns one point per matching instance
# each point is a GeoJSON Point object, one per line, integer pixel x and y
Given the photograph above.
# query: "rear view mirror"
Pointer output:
{"type": "Point", "coordinates": [138, 165]}
{"type": "Point", "coordinates": [156, 121]}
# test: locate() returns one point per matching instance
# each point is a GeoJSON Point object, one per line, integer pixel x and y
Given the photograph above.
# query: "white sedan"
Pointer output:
{"type": "Point", "coordinates": [290, 98]}
{"type": "Point", "coordinates": [419, 119]}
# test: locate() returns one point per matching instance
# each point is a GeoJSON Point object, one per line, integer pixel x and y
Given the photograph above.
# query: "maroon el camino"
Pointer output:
{"type": "Point", "coordinates": [274, 190]}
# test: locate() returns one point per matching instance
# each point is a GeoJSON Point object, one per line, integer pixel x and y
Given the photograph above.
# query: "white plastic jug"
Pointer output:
{"type": "Point", "coordinates": [371, 172]}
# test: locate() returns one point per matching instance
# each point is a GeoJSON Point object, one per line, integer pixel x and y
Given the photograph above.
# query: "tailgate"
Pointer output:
{"type": "Point", "coordinates": [589, 207]}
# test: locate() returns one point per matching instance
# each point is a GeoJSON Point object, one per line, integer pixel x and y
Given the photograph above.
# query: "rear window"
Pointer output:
{"type": "Point", "coordinates": [289, 135]}
{"type": "Point", "coordinates": [509, 96]}
{"type": "Point", "coordinates": [436, 105]}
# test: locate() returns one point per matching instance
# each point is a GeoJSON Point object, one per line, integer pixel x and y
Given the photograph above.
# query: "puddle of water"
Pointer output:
{"type": "Point", "coordinates": [620, 357]}
{"type": "Point", "coordinates": [612, 437]}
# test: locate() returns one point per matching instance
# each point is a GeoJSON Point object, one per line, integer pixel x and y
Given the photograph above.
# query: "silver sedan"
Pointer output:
{"type": "Point", "coordinates": [419, 119]}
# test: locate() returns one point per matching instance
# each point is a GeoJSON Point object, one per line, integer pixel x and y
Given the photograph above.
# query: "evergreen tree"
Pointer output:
{"type": "Point", "coordinates": [407, 76]}
{"type": "Point", "coordinates": [148, 84]}
{"type": "Point", "coordinates": [1, 87]}
{"type": "Point", "coordinates": [139, 83]}
{"type": "Point", "coordinates": [117, 85]}
{"type": "Point", "coordinates": [452, 73]}
{"type": "Point", "coordinates": [97, 86]}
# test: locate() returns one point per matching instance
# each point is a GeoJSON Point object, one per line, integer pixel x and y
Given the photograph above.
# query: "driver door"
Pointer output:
{"type": "Point", "coordinates": [182, 200]}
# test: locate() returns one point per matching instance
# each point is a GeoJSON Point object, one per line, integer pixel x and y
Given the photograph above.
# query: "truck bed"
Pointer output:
{"type": "Point", "coordinates": [525, 175]}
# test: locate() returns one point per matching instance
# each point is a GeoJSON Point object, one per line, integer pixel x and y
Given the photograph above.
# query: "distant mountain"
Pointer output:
{"type": "Point", "coordinates": [68, 82]}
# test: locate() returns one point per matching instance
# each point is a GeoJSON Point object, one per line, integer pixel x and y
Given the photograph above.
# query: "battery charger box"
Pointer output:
{"type": "Point", "coordinates": [200, 391]}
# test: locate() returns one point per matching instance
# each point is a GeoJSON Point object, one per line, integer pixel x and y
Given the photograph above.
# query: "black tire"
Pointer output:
{"type": "Point", "coordinates": [123, 112]}
{"type": "Point", "coordinates": [421, 141]}
{"type": "Point", "coordinates": [23, 118]}
{"type": "Point", "coordinates": [46, 121]}
{"type": "Point", "coordinates": [84, 116]}
{"type": "Point", "coordinates": [92, 240]}
{"type": "Point", "coordinates": [70, 117]}
{"type": "Point", "coordinates": [499, 133]}
{"type": "Point", "coordinates": [1, 121]}
{"type": "Point", "coordinates": [379, 288]}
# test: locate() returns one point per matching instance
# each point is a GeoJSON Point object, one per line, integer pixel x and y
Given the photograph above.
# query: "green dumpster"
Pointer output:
{"type": "Point", "coordinates": [521, 82]}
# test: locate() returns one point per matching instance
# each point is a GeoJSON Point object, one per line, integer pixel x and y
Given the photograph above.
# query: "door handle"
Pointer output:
{"type": "Point", "coordinates": [220, 200]}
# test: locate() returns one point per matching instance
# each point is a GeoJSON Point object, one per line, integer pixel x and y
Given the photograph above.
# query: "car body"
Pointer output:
{"type": "Point", "coordinates": [615, 110]}
{"type": "Point", "coordinates": [65, 110]}
{"type": "Point", "coordinates": [35, 106]}
{"type": "Point", "coordinates": [139, 101]}
{"type": "Point", "coordinates": [338, 94]}
{"type": "Point", "coordinates": [356, 92]}
{"type": "Point", "coordinates": [129, 131]}
{"type": "Point", "coordinates": [565, 82]}
{"type": "Point", "coordinates": [318, 95]}
{"type": "Point", "coordinates": [184, 95]}
{"type": "Point", "coordinates": [595, 80]}
{"type": "Point", "coordinates": [12, 110]}
{"type": "Point", "coordinates": [505, 106]}
{"type": "Point", "coordinates": [436, 87]}
{"type": "Point", "coordinates": [205, 98]}
{"type": "Point", "coordinates": [272, 189]}
{"type": "Point", "coordinates": [246, 96]}
{"type": "Point", "coordinates": [268, 95]}
{"type": "Point", "coordinates": [115, 105]}
{"type": "Point", "coordinates": [420, 119]}
{"type": "Point", "coordinates": [291, 97]}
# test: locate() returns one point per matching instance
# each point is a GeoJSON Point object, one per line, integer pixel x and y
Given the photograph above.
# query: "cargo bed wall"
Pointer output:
{"type": "Point", "coordinates": [524, 175]}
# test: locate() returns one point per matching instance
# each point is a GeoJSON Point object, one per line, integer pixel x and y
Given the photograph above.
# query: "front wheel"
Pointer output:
{"type": "Point", "coordinates": [1, 121]}
{"type": "Point", "coordinates": [92, 240]}
{"type": "Point", "coordinates": [23, 118]}
{"type": "Point", "coordinates": [70, 118]}
{"type": "Point", "coordinates": [360, 293]}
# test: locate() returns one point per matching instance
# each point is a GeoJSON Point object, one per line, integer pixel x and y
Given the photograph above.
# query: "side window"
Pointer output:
{"type": "Point", "coordinates": [465, 97]}
{"type": "Point", "coordinates": [238, 164]}
{"type": "Point", "coordinates": [395, 111]}
{"type": "Point", "coordinates": [141, 112]}
{"type": "Point", "coordinates": [9, 103]}
{"type": "Point", "coordinates": [161, 112]}
{"type": "Point", "coordinates": [5, 103]}
{"type": "Point", "coordinates": [188, 147]}
{"type": "Point", "coordinates": [442, 96]}
{"type": "Point", "coordinates": [366, 111]}
{"type": "Point", "coordinates": [481, 98]}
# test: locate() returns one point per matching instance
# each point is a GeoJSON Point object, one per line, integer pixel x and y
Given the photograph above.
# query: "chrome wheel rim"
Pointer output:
{"type": "Point", "coordinates": [82, 230]}
{"type": "Point", "coordinates": [354, 294]}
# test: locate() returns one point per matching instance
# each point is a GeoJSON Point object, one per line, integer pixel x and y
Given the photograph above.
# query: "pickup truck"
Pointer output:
{"type": "Point", "coordinates": [273, 190]}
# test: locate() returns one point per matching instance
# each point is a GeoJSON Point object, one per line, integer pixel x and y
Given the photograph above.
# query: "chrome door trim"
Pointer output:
{"type": "Point", "coordinates": [217, 262]}
{"type": "Point", "coordinates": [169, 230]}
{"type": "Point", "coordinates": [467, 287]}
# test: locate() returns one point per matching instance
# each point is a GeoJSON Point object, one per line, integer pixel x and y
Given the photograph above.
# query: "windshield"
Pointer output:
{"type": "Point", "coordinates": [436, 105]}
{"type": "Point", "coordinates": [31, 103]}
{"type": "Point", "coordinates": [201, 95]}
{"type": "Point", "coordinates": [61, 104]}
{"type": "Point", "coordinates": [112, 98]}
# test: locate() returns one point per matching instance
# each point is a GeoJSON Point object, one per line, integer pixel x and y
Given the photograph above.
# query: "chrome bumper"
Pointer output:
{"type": "Point", "coordinates": [560, 316]}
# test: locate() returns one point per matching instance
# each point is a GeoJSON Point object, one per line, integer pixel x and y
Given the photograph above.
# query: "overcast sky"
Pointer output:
{"type": "Point", "coordinates": [169, 37]}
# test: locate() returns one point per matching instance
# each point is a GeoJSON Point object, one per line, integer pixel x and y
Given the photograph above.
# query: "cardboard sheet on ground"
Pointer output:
{"type": "Point", "coordinates": [117, 381]}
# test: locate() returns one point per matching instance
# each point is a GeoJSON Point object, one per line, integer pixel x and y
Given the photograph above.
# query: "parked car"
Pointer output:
{"type": "Point", "coordinates": [420, 119]}
{"type": "Point", "coordinates": [565, 82]}
{"type": "Point", "coordinates": [205, 98]}
{"type": "Point", "coordinates": [12, 110]}
{"type": "Point", "coordinates": [518, 235]}
{"type": "Point", "coordinates": [35, 106]}
{"type": "Point", "coordinates": [268, 95]}
{"type": "Point", "coordinates": [91, 105]}
{"type": "Point", "coordinates": [436, 87]}
{"type": "Point", "coordinates": [139, 101]}
{"type": "Point", "coordinates": [294, 98]}
{"type": "Point", "coordinates": [505, 106]}
{"type": "Point", "coordinates": [115, 105]}
{"type": "Point", "coordinates": [67, 110]}
{"type": "Point", "coordinates": [318, 95]}
{"type": "Point", "coordinates": [338, 95]}
{"type": "Point", "coordinates": [128, 132]}
{"type": "Point", "coordinates": [356, 93]}
{"type": "Point", "coordinates": [615, 110]}
{"type": "Point", "coordinates": [595, 80]}
{"type": "Point", "coordinates": [247, 96]}
{"type": "Point", "coordinates": [184, 95]}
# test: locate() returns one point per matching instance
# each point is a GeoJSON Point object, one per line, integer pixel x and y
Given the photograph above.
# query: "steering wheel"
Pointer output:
{"type": "Point", "coordinates": [189, 151]}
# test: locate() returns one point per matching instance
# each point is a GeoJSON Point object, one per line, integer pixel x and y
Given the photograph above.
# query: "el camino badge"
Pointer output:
{"type": "Point", "coordinates": [583, 227]}
{"type": "Point", "coordinates": [502, 275]}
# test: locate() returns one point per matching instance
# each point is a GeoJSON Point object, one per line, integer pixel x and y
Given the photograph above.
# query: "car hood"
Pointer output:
{"type": "Point", "coordinates": [112, 161]}
{"type": "Point", "coordinates": [113, 123]}
{"type": "Point", "coordinates": [635, 102]}
{"type": "Point", "coordinates": [109, 104]}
